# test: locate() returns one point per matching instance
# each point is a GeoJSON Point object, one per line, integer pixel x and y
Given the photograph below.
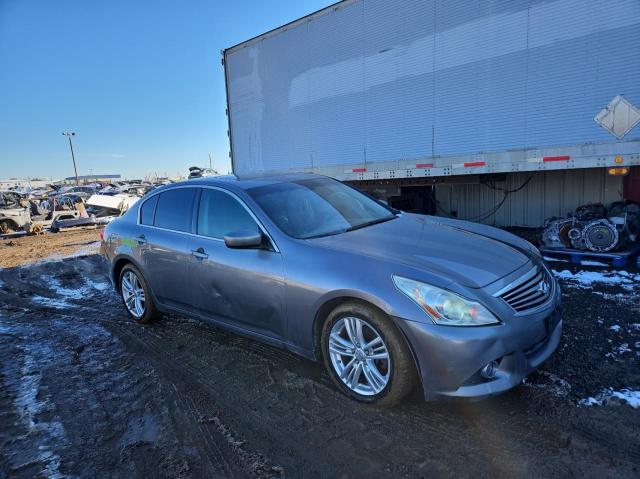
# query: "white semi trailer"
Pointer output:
{"type": "Point", "coordinates": [507, 112]}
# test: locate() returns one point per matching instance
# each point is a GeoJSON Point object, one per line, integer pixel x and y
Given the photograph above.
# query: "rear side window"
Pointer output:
{"type": "Point", "coordinates": [147, 210]}
{"type": "Point", "coordinates": [175, 209]}
{"type": "Point", "coordinates": [220, 214]}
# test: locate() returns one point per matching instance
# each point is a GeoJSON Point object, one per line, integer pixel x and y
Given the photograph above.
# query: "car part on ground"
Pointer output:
{"type": "Point", "coordinates": [594, 228]}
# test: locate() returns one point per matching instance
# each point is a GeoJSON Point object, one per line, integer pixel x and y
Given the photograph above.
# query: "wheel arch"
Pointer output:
{"type": "Point", "coordinates": [323, 311]}
{"type": "Point", "coordinates": [118, 264]}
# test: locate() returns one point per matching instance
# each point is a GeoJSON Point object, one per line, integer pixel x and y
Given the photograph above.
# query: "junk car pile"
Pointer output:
{"type": "Point", "coordinates": [55, 207]}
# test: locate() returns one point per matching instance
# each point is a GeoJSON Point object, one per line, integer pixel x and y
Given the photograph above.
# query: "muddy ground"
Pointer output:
{"type": "Point", "coordinates": [19, 250]}
{"type": "Point", "coordinates": [86, 392]}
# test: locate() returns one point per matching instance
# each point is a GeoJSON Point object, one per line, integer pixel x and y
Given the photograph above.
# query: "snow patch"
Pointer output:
{"type": "Point", "coordinates": [588, 279]}
{"type": "Point", "coordinates": [618, 297]}
{"type": "Point", "coordinates": [556, 385]}
{"type": "Point", "coordinates": [56, 285]}
{"type": "Point", "coordinates": [99, 286]}
{"type": "Point", "coordinates": [79, 293]}
{"type": "Point", "coordinates": [5, 329]}
{"type": "Point", "coordinates": [29, 406]}
{"type": "Point", "coordinates": [91, 248]}
{"type": "Point", "coordinates": [615, 327]}
{"type": "Point", "coordinates": [50, 302]}
{"type": "Point", "coordinates": [628, 396]}
{"type": "Point", "coordinates": [623, 348]}
{"type": "Point", "coordinates": [619, 351]}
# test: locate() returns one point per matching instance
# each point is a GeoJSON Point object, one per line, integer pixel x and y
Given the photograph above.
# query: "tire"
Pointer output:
{"type": "Point", "coordinates": [382, 382]}
{"type": "Point", "coordinates": [148, 312]}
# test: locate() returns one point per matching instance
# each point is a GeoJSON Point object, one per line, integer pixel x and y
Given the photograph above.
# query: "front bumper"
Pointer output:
{"type": "Point", "coordinates": [449, 358]}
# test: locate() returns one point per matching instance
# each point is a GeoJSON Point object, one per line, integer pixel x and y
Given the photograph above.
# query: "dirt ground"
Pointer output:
{"type": "Point", "coordinates": [29, 249]}
{"type": "Point", "coordinates": [85, 392]}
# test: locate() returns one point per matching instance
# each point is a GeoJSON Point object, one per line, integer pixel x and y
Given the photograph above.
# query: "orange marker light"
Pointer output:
{"type": "Point", "coordinates": [618, 171]}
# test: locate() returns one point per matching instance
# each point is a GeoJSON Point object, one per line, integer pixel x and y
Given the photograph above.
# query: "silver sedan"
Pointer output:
{"type": "Point", "coordinates": [384, 298]}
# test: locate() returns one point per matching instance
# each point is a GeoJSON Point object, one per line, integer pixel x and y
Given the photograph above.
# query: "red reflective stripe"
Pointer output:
{"type": "Point", "coordinates": [556, 158]}
{"type": "Point", "coordinates": [424, 165]}
{"type": "Point", "coordinates": [475, 163]}
{"type": "Point", "coordinates": [359, 170]}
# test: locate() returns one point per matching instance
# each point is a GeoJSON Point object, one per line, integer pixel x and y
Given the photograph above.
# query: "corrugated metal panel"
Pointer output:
{"type": "Point", "coordinates": [377, 81]}
{"type": "Point", "coordinates": [548, 194]}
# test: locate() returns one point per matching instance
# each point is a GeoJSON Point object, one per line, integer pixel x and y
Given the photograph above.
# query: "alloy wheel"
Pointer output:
{"type": "Point", "coordinates": [359, 356]}
{"type": "Point", "coordinates": [133, 294]}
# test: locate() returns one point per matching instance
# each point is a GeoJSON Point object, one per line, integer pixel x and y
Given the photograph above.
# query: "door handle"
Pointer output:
{"type": "Point", "coordinates": [141, 239]}
{"type": "Point", "coordinates": [199, 253]}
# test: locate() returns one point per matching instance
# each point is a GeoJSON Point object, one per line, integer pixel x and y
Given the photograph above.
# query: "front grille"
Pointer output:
{"type": "Point", "coordinates": [528, 292]}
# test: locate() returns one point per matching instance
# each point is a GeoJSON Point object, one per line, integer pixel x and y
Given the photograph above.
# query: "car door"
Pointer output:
{"type": "Point", "coordinates": [166, 220]}
{"type": "Point", "coordinates": [240, 286]}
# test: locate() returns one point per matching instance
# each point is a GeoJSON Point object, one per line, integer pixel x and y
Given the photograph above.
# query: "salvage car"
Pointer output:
{"type": "Point", "coordinates": [383, 298]}
{"type": "Point", "coordinates": [14, 212]}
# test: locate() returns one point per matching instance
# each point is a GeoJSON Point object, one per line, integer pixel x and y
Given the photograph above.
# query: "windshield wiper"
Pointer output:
{"type": "Point", "coordinates": [372, 222]}
{"type": "Point", "coordinates": [323, 235]}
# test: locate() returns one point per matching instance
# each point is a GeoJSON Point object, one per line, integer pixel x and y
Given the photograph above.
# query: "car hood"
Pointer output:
{"type": "Point", "coordinates": [471, 258]}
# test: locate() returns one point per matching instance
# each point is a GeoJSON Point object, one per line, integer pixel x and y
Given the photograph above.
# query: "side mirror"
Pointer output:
{"type": "Point", "coordinates": [243, 239]}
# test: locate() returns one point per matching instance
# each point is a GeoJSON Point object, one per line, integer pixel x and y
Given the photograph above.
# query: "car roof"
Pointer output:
{"type": "Point", "coordinates": [247, 182]}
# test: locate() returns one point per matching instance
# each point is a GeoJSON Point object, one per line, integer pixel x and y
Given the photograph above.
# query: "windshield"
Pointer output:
{"type": "Point", "coordinates": [318, 207]}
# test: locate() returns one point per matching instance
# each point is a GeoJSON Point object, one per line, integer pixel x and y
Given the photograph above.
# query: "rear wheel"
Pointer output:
{"type": "Point", "coordinates": [136, 295]}
{"type": "Point", "coordinates": [366, 356]}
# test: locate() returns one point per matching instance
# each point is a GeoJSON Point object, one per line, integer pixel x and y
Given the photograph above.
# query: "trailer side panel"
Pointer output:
{"type": "Point", "coordinates": [436, 86]}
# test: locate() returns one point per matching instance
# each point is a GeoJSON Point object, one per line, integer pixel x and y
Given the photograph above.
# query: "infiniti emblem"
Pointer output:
{"type": "Point", "coordinates": [543, 287]}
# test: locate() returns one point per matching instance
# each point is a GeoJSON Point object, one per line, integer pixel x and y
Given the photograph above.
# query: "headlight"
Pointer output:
{"type": "Point", "coordinates": [445, 307]}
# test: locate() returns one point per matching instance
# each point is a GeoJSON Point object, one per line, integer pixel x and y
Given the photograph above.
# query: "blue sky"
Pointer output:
{"type": "Point", "coordinates": [140, 82]}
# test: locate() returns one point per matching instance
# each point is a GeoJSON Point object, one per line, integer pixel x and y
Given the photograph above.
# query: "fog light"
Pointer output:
{"type": "Point", "coordinates": [489, 370]}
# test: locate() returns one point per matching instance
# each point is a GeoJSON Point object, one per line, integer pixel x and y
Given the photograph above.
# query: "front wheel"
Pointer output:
{"type": "Point", "coordinates": [136, 295]}
{"type": "Point", "coordinates": [366, 356]}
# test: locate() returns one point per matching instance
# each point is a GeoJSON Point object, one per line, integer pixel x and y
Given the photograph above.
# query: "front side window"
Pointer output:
{"type": "Point", "coordinates": [220, 214]}
{"type": "Point", "coordinates": [175, 209]}
{"type": "Point", "coordinates": [318, 207]}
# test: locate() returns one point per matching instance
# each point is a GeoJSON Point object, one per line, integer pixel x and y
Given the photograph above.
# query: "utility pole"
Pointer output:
{"type": "Point", "coordinates": [69, 134]}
